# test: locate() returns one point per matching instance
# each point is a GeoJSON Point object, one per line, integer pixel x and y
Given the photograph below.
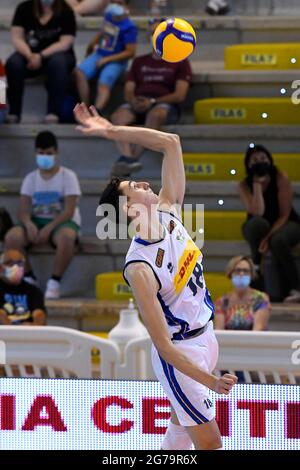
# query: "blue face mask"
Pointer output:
{"type": "Point", "coordinates": [114, 9]}
{"type": "Point", "coordinates": [45, 162]}
{"type": "Point", "coordinates": [241, 282]}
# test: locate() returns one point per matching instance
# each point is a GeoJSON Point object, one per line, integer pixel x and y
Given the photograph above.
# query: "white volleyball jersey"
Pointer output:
{"type": "Point", "coordinates": [176, 262]}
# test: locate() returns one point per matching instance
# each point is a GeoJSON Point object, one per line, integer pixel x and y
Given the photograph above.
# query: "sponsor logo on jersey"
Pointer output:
{"type": "Point", "coordinates": [186, 265]}
{"type": "Point", "coordinates": [159, 257]}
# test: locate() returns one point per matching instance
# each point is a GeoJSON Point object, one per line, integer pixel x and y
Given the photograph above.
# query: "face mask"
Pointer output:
{"type": "Point", "coordinates": [114, 9]}
{"type": "Point", "coordinates": [14, 273]}
{"type": "Point", "coordinates": [260, 169]}
{"type": "Point", "coordinates": [47, 3]}
{"type": "Point", "coordinates": [45, 162]}
{"type": "Point", "coordinates": [241, 281]}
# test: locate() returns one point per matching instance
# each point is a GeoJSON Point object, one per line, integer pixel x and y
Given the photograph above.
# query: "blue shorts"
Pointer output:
{"type": "Point", "coordinates": [107, 75]}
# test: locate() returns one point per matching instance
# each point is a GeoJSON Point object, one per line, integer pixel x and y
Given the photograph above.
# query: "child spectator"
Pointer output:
{"type": "Point", "coordinates": [48, 211]}
{"type": "Point", "coordinates": [109, 53]}
{"type": "Point", "coordinates": [154, 91]}
{"type": "Point", "coordinates": [20, 303]}
{"type": "Point", "coordinates": [43, 33]}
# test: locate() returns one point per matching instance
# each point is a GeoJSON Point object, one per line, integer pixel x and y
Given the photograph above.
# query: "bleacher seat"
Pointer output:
{"type": "Point", "coordinates": [262, 56]}
{"type": "Point", "coordinates": [219, 225]}
{"type": "Point", "coordinates": [244, 111]}
{"type": "Point", "coordinates": [230, 166]}
{"type": "Point", "coordinates": [111, 286]}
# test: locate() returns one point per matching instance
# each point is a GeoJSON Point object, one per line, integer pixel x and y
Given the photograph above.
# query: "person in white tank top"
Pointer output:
{"type": "Point", "coordinates": [164, 269]}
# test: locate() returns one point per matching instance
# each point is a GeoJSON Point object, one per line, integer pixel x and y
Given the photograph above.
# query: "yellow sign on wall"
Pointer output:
{"type": "Point", "coordinates": [259, 59]}
{"type": "Point", "coordinates": [228, 113]}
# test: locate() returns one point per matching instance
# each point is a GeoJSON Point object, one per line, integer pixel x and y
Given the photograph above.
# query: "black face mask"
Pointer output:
{"type": "Point", "coordinates": [260, 169]}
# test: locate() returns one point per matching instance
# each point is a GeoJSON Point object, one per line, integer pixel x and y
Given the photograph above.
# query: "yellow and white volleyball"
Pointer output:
{"type": "Point", "coordinates": [174, 40]}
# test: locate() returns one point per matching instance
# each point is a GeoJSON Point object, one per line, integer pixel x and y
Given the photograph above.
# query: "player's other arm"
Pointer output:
{"type": "Point", "coordinates": [173, 174]}
{"type": "Point", "coordinates": [145, 288]}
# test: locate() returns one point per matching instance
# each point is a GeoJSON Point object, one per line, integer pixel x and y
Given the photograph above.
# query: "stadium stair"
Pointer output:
{"type": "Point", "coordinates": [243, 111]}
{"type": "Point", "coordinates": [210, 81]}
{"type": "Point", "coordinates": [262, 56]}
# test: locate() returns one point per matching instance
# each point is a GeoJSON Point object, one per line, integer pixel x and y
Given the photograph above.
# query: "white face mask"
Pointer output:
{"type": "Point", "coordinates": [14, 274]}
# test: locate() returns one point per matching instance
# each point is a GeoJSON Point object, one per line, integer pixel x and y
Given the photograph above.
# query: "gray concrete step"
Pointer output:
{"type": "Point", "coordinates": [93, 158]}
{"type": "Point", "coordinates": [207, 193]}
{"type": "Point", "coordinates": [95, 256]}
{"type": "Point", "coordinates": [214, 33]}
{"type": "Point", "coordinates": [242, 7]}
{"type": "Point", "coordinates": [209, 81]}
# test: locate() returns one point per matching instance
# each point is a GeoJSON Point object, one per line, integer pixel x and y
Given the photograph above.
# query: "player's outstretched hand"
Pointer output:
{"type": "Point", "coordinates": [225, 383]}
{"type": "Point", "coordinates": [91, 123]}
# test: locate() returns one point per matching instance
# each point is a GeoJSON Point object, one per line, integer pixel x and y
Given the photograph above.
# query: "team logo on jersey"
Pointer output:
{"type": "Point", "coordinates": [159, 257]}
{"type": "Point", "coordinates": [171, 226]}
{"type": "Point", "coordinates": [186, 265]}
{"type": "Point", "coordinates": [170, 267]}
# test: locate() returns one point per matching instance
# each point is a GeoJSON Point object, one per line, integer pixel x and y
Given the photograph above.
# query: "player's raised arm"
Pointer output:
{"type": "Point", "coordinates": [173, 174]}
{"type": "Point", "coordinates": [145, 287]}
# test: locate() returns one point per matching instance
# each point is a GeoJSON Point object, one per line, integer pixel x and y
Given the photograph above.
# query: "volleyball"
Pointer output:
{"type": "Point", "coordinates": [174, 40]}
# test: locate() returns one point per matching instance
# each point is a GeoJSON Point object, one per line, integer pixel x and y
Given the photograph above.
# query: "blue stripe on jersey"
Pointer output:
{"type": "Point", "coordinates": [171, 320]}
{"type": "Point", "coordinates": [209, 303]}
{"type": "Point", "coordinates": [179, 394]}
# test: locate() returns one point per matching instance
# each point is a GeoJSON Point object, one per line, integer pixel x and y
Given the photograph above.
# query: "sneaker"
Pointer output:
{"type": "Point", "coordinates": [51, 119]}
{"type": "Point", "coordinates": [217, 7]}
{"type": "Point", "coordinates": [293, 297]}
{"type": "Point", "coordinates": [125, 165]}
{"type": "Point", "coordinates": [52, 289]}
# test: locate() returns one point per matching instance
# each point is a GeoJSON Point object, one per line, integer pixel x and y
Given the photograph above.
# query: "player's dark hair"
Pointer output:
{"type": "Point", "coordinates": [111, 195]}
{"type": "Point", "coordinates": [45, 140]}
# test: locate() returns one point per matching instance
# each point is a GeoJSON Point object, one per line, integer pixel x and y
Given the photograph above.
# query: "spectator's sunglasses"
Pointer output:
{"type": "Point", "coordinates": [153, 21]}
{"type": "Point", "coordinates": [11, 262]}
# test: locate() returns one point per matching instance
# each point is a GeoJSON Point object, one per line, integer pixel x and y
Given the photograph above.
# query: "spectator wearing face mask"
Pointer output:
{"type": "Point", "coordinates": [48, 211]}
{"type": "Point", "coordinates": [109, 53]}
{"type": "Point", "coordinates": [43, 34]}
{"type": "Point", "coordinates": [272, 223]}
{"type": "Point", "coordinates": [243, 308]}
{"type": "Point", "coordinates": [20, 303]}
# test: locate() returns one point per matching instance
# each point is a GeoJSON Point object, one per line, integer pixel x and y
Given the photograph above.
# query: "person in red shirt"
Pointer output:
{"type": "Point", "coordinates": [154, 90]}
